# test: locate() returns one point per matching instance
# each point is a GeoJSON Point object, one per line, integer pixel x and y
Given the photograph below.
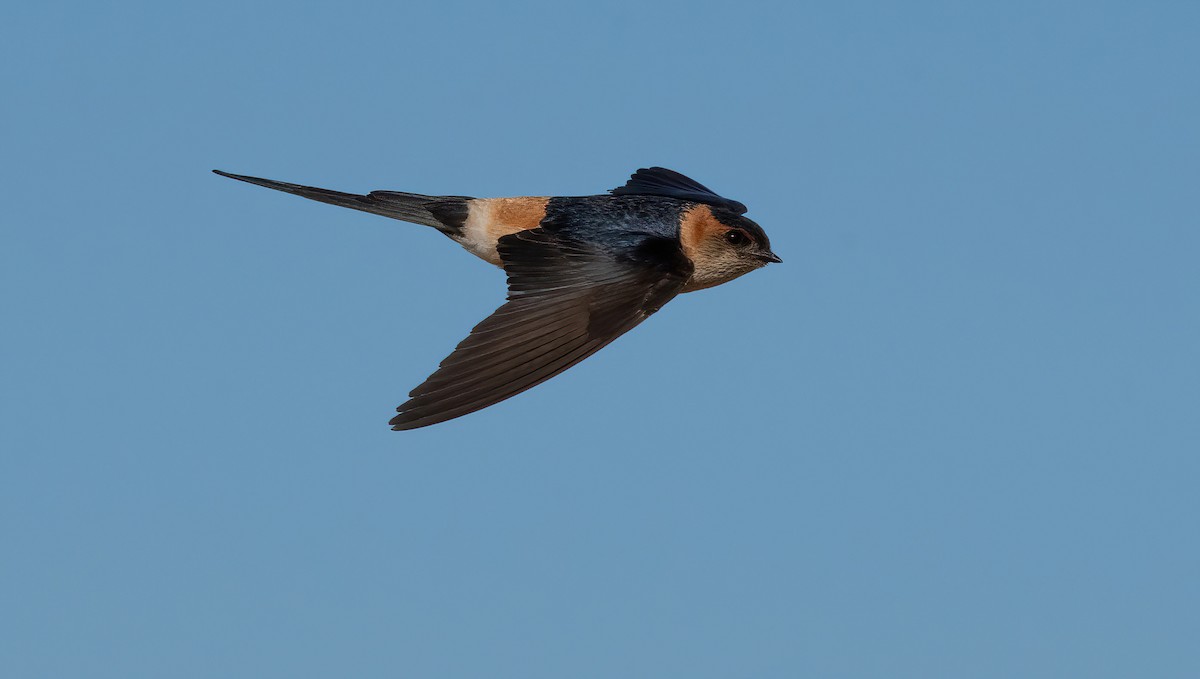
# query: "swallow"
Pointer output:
{"type": "Point", "coordinates": [582, 271]}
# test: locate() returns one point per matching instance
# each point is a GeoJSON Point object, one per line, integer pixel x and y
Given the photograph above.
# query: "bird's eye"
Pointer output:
{"type": "Point", "coordinates": [736, 237]}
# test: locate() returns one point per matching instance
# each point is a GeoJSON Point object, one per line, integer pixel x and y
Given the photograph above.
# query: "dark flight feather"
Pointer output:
{"type": "Point", "coordinates": [567, 300]}
{"type": "Point", "coordinates": [659, 181]}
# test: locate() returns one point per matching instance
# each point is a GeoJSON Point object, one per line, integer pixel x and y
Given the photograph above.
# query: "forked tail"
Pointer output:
{"type": "Point", "coordinates": [444, 213]}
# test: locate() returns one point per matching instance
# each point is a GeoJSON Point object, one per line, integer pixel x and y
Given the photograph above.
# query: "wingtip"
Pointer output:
{"type": "Point", "coordinates": [399, 423]}
{"type": "Point", "coordinates": [404, 426]}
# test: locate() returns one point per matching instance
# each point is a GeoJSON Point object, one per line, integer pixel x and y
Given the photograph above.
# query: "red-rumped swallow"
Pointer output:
{"type": "Point", "coordinates": [582, 271]}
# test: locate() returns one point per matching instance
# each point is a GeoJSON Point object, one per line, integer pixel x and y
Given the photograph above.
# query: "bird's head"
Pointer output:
{"type": "Point", "coordinates": [722, 245]}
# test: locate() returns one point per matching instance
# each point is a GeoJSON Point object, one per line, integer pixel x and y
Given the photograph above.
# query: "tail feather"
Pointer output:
{"type": "Point", "coordinates": [408, 207]}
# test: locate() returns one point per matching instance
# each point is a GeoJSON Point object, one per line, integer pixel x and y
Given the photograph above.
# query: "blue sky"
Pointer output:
{"type": "Point", "coordinates": [955, 434]}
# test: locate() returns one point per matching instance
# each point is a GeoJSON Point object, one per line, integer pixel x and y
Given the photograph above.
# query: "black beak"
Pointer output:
{"type": "Point", "coordinates": [769, 256]}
